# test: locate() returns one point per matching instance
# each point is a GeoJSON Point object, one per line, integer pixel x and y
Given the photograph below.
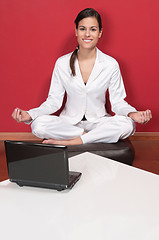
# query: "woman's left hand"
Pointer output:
{"type": "Point", "coordinates": [141, 116]}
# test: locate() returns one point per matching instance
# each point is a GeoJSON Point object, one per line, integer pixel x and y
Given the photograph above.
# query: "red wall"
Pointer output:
{"type": "Point", "coordinates": [34, 33]}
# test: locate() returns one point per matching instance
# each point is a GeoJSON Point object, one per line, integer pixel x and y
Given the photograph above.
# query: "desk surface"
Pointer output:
{"type": "Point", "coordinates": [111, 201]}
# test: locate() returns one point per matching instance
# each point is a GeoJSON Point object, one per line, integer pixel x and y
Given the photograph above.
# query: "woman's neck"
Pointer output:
{"type": "Point", "coordinates": [84, 54]}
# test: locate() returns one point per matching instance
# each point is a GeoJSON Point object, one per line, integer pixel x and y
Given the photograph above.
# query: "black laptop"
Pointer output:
{"type": "Point", "coordinates": [39, 165]}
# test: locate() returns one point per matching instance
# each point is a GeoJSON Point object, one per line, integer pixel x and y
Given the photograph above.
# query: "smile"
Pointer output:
{"type": "Point", "coordinates": [87, 40]}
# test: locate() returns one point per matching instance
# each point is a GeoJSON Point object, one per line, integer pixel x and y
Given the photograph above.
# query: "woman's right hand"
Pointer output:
{"type": "Point", "coordinates": [21, 115]}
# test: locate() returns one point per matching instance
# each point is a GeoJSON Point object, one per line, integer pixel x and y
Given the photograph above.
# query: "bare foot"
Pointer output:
{"type": "Point", "coordinates": [76, 141]}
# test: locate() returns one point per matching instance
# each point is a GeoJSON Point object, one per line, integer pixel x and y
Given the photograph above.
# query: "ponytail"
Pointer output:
{"type": "Point", "coordinates": [72, 61]}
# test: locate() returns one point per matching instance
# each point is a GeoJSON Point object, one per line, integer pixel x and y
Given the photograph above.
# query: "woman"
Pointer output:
{"type": "Point", "coordinates": [85, 75]}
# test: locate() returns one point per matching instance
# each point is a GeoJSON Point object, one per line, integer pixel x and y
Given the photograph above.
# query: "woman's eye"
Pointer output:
{"type": "Point", "coordinates": [94, 29]}
{"type": "Point", "coordinates": [82, 29]}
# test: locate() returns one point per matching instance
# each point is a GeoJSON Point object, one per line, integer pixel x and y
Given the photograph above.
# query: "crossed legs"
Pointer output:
{"type": "Point", "coordinates": [57, 131]}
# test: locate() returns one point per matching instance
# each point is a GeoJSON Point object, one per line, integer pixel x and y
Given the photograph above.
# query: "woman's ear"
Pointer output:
{"type": "Point", "coordinates": [100, 33]}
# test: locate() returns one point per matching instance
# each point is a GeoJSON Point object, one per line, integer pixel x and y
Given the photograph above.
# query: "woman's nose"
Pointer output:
{"type": "Point", "coordinates": [87, 33]}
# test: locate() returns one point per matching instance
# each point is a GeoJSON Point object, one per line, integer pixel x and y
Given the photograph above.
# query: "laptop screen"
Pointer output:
{"type": "Point", "coordinates": [36, 162]}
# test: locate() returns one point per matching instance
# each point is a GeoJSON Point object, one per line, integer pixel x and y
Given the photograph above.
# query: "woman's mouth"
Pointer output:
{"type": "Point", "coordinates": [87, 40]}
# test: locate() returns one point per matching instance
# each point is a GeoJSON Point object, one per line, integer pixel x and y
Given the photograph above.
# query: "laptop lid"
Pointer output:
{"type": "Point", "coordinates": [36, 164]}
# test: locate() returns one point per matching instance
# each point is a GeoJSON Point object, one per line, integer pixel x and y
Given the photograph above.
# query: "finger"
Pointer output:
{"type": "Point", "coordinates": [14, 115]}
{"type": "Point", "coordinates": [148, 115]}
{"type": "Point", "coordinates": [18, 115]}
{"type": "Point", "coordinates": [142, 117]}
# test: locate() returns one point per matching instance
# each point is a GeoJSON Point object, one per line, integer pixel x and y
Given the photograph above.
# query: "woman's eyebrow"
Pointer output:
{"type": "Point", "coordinates": [91, 26]}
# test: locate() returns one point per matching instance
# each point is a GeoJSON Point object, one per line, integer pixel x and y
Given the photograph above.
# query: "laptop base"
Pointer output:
{"type": "Point", "coordinates": [73, 177]}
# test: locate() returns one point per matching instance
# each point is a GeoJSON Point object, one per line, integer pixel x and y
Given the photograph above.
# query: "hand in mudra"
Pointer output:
{"type": "Point", "coordinates": [21, 115]}
{"type": "Point", "coordinates": [141, 117]}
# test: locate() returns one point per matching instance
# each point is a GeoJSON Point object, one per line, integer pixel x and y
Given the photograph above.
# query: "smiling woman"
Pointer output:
{"type": "Point", "coordinates": [85, 75]}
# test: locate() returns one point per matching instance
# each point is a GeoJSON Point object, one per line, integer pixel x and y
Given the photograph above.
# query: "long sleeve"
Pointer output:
{"type": "Point", "coordinates": [117, 94]}
{"type": "Point", "coordinates": [55, 97]}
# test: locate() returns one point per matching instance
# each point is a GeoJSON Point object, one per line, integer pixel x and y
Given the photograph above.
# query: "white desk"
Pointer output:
{"type": "Point", "coordinates": [112, 201]}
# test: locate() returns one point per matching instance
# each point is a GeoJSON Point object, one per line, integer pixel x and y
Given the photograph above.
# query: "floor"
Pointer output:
{"type": "Point", "coordinates": [146, 157]}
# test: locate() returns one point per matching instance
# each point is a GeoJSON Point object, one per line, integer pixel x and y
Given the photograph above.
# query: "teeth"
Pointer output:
{"type": "Point", "coordinates": [85, 40]}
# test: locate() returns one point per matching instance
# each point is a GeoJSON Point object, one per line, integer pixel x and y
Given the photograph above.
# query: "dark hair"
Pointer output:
{"type": "Point", "coordinates": [88, 12]}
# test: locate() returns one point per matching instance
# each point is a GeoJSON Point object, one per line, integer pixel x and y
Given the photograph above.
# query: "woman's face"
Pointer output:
{"type": "Point", "coordinates": [88, 33]}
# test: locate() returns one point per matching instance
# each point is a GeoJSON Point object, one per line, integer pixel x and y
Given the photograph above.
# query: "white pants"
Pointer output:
{"type": "Point", "coordinates": [107, 129]}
